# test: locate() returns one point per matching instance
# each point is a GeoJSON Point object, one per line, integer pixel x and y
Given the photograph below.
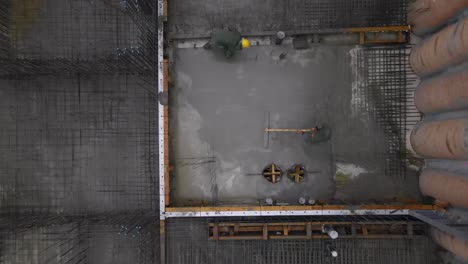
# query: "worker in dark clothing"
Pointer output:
{"type": "Point", "coordinates": [320, 134]}
{"type": "Point", "coordinates": [229, 41]}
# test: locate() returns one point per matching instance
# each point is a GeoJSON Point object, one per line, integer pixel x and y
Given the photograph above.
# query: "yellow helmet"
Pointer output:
{"type": "Point", "coordinates": [245, 43]}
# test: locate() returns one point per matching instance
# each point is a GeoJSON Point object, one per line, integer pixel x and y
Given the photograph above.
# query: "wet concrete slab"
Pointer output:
{"type": "Point", "coordinates": [220, 108]}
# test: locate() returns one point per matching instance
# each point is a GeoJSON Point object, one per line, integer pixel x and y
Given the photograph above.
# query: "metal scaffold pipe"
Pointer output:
{"type": "Point", "coordinates": [446, 48]}
{"type": "Point", "coordinates": [447, 92]}
{"type": "Point", "coordinates": [426, 16]}
{"type": "Point", "coordinates": [444, 187]}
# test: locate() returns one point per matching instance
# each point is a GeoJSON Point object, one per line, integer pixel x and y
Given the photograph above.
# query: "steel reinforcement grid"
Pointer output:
{"type": "Point", "coordinates": [79, 172]}
{"type": "Point", "coordinates": [78, 139]}
{"type": "Point", "coordinates": [387, 83]}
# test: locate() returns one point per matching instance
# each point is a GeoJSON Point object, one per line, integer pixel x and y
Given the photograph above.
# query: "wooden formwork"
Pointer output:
{"type": "Point", "coordinates": [313, 230]}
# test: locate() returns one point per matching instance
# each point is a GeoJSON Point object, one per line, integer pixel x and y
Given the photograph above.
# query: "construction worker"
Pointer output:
{"type": "Point", "coordinates": [320, 134]}
{"type": "Point", "coordinates": [230, 41]}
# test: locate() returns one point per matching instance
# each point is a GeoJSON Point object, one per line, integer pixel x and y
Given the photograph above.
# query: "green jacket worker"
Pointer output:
{"type": "Point", "coordinates": [320, 134]}
{"type": "Point", "coordinates": [229, 41]}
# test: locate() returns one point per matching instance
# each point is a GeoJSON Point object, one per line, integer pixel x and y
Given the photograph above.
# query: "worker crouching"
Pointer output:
{"type": "Point", "coordinates": [229, 41]}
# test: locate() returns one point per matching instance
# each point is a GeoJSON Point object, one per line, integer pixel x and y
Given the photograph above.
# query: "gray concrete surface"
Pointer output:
{"type": "Point", "coordinates": [218, 119]}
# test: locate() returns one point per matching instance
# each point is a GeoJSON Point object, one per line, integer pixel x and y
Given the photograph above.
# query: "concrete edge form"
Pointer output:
{"type": "Point", "coordinates": [162, 130]}
{"type": "Point", "coordinates": [161, 111]}
{"type": "Point", "coordinates": [295, 210]}
{"type": "Point", "coordinates": [285, 213]}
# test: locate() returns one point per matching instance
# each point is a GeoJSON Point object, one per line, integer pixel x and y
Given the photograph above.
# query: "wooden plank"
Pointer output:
{"type": "Point", "coordinates": [276, 237]}
{"type": "Point", "coordinates": [222, 238]}
{"type": "Point", "coordinates": [301, 208]}
{"type": "Point", "coordinates": [362, 38]}
{"type": "Point", "coordinates": [162, 241]}
{"type": "Point", "coordinates": [165, 75]}
{"type": "Point", "coordinates": [265, 232]}
{"type": "Point", "coordinates": [215, 232]}
{"type": "Point", "coordinates": [165, 8]}
{"type": "Point", "coordinates": [167, 189]}
{"type": "Point", "coordinates": [380, 29]}
{"type": "Point", "coordinates": [280, 237]}
{"type": "Point", "coordinates": [299, 224]}
{"type": "Point", "coordinates": [364, 230]}
{"type": "Point", "coordinates": [410, 230]}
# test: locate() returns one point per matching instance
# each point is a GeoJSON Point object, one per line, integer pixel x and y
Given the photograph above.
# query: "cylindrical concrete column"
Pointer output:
{"type": "Point", "coordinates": [445, 187]}
{"type": "Point", "coordinates": [441, 139]}
{"type": "Point", "coordinates": [428, 15]}
{"type": "Point", "coordinates": [455, 245]}
{"type": "Point", "coordinates": [445, 48]}
{"type": "Point", "coordinates": [447, 92]}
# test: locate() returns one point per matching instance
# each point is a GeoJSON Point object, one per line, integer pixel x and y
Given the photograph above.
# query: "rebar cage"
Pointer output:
{"type": "Point", "coordinates": [79, 172]}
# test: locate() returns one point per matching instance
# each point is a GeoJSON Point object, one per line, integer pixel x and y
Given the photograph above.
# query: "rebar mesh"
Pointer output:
{"type": "Point", "coordinates": [105, 238]}
{"type": "Point", "coordinates": [187, 242]}
{"type": "Point", "coordinates": [79, 135]}
{"type": "Point", "coordinates": [79, 145]}
{"type": "Point", "coordinates": [78, 167]}
{"type": "Point", "coordinates": [194, 19]}
{"type": "Point", "coordinates": [57, 37]}
{"type": "Point", "coordinates": [387, 84]}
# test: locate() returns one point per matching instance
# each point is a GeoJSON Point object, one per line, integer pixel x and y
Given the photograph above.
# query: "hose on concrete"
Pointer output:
{"type": "Point", "coordinates": [426, 16]}
{"type": "Point", "coordinates": [446, 48]}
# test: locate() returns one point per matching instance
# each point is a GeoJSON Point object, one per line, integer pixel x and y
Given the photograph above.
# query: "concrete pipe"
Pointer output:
{"type": "Point", "coordinates": [455, 245]}
{"type": "Point", "coordinates": [330, 231]}
{"type": "Point", "coordinates": [445, 48]}
{"type": "Point", "coordinates": [447, 92]}
{"type": "Point", "coordinates": [441, 139]}
{"type": "Point", "coordinates": [428, 15]}
{"type": "Point", "coordinates": [445, 187]}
